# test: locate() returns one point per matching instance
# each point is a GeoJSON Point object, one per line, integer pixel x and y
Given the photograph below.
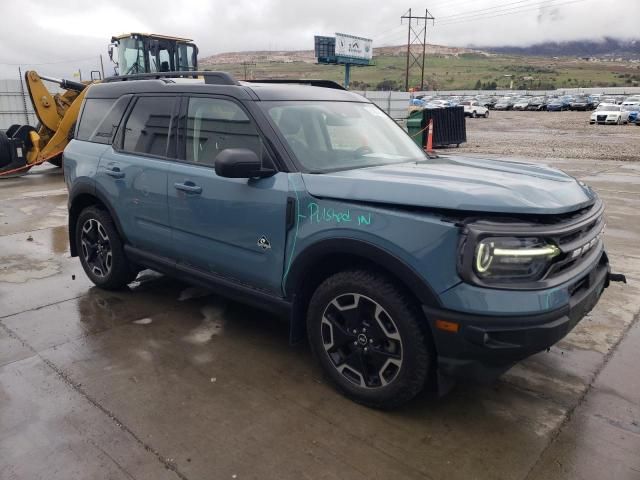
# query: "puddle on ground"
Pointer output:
{"type": "Point", "coordinates": [60, 239]}
{"type": "Point", "coordinates": [20, 269]}
{"type": "Point", "coordinates": [193, 292]}
{"type": "Point", "coordinates": [143, 321]}
{"type": "Point", "coordinates": [212, 324]}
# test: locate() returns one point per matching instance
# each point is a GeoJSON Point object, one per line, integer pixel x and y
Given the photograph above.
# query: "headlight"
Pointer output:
{"type": "Point", "coordinates": [507, 258]}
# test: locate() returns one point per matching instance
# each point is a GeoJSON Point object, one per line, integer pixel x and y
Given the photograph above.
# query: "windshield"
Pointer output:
{"type": "Point", "coordinates": [609, 108]}
{"type": "Point", "coordinates": [631, 108]}
{"type": "Point", "coordinates": [326, 136]}
{"type": "Point", "coordinates": [130, 56]}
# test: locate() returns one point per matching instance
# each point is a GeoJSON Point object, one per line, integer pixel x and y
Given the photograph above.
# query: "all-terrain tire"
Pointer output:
{"type": "Point", "coordinates": [117, 272]}
{"type": "Point", "coordinates": [397, 311]}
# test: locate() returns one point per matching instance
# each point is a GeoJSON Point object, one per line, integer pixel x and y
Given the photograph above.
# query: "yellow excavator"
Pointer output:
{"type": "Point", "coordinates": [24, 146]}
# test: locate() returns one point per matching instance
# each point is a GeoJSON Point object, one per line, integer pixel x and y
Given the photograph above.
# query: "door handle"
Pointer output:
{"type": "Point", "coordinates": [188, 187]}
{"type": "Point", "coordinates": [115, 172]}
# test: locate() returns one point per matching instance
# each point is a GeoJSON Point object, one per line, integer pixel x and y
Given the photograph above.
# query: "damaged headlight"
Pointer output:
{"type": "Point", "coordinates": [510, 258]}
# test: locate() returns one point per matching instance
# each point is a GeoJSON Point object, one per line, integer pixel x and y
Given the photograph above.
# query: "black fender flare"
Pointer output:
{"type": "Point", "coordinates": [320, 253]}
{"type": "Point", "coordinates": [87, 188]}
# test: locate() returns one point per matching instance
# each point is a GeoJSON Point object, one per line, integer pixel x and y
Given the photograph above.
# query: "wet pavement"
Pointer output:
{"type": "Point", "coordinates": [170, 381]}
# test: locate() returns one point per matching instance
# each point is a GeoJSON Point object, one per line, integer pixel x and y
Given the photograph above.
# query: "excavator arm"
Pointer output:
{"type": "Point", "coordinates": [23, 146]}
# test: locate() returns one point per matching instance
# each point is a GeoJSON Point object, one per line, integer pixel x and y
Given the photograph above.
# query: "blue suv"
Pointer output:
{"type": "Point", "coordinates": [402, 269]}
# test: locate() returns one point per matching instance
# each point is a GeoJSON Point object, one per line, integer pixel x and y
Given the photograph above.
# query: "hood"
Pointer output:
{"type": "Point", "coordinates": [458, 183]}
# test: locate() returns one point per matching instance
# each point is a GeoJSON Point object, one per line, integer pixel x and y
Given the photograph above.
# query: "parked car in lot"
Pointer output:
{"type": "Point", "coordinates": [582, 103]}
{"type": "Point", "coordinates": [472, 108]}
{"type": "Point", "coordinates": [537, 103]}
{"type": "Point", "coordinates": [488, 102]}
{"type": "Point", "coordinates": [633, 109]}
{"type": "Point", "coordinates": [505, 103]}
{"type": "Point", "coordinates": [311, 202]}
{"type": "Point", "coordinates": [559, 104]}
{"type": "Point", "coordinates": [609, 114]}
{"type": "Point", "coordinates": [521, 103]}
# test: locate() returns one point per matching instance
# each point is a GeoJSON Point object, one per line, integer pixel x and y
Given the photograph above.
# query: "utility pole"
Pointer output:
{"type": "Point", "coordinates": [416, 35]}
{"type": "Point", "coordinates": [245, 65]}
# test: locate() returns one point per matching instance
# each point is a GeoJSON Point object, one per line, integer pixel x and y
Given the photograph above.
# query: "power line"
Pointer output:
{"type": "Point", "coordinates": [514, 12]}
{"type": "Point", "coordinates": [480, 10]}
{"type": "Point", "coordinates": [48, 63]}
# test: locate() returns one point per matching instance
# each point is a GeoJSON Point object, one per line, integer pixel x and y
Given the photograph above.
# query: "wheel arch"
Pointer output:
{"type": "Point", "coordinates": [324, 258]}
{"type": "Point", "coordinates": [82, 196]}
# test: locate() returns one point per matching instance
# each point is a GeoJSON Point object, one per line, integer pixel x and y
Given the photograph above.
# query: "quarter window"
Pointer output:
{"type": "Point", "coordinates": [100, 119]}
{"type": "Point", "coordinates": [147, 128]}
{"type": "Point", "coordinates": [214, 125]}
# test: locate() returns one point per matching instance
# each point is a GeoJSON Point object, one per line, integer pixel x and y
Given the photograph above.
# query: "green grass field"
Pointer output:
{"type": "Point", "coordinates": [462, 72]}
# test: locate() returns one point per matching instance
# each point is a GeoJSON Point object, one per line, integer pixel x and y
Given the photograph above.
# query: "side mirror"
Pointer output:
{"type": "Point", "coordinates": [240, 163]}
{"type": "Point", "coordinates": [110, 50]}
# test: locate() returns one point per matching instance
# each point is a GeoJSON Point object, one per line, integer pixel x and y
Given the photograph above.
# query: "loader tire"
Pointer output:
{"type": "Point", "coordinates": [5, 150]}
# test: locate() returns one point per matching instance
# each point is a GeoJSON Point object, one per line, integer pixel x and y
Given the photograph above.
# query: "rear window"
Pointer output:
{"type": "Point", "coordinates": [100, 119]}
{"type": "Point", "coordinates": [147, 127]}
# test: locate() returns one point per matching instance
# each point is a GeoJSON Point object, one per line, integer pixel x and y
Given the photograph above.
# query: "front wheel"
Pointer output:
{"type": "Point", "coordinates": [101, 250]}
{"type": "Point", "coordinates": [366, 334]}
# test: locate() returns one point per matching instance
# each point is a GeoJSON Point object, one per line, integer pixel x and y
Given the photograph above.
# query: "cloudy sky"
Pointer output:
{"type": "Point", "coordinates": [59, 37]}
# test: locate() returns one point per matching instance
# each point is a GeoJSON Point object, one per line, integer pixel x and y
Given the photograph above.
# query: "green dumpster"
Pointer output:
{"type": "Point", "coordinates": [414, 125]}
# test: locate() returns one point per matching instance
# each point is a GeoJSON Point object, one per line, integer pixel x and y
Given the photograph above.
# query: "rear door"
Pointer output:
{"type": "Point", "coordinates": [233, 228]}
{"type": "Point", "coordinates": [133, 174]}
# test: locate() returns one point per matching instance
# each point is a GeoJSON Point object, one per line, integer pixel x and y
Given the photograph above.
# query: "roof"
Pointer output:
{"type": "Point", "coordinates": [150, 35]}
{"type": "Point", "coordinates": [253, 91]}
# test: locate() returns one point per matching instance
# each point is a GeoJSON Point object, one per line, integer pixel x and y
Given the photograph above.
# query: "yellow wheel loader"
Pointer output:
{"type": "Point", "coordinates": [24, 146]}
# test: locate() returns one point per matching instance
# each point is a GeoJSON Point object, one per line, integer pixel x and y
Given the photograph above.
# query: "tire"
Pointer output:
{"type": "Point", "coordinates": [474, 114]}
{"type": "Point", "coordinates": [101, 250]}
{"type": "Point", "coordinates": [486, 114]}
{"type": "Point", "coordinates": [619, 122]}
{"type": "Point", "coordinates": [394, 338]}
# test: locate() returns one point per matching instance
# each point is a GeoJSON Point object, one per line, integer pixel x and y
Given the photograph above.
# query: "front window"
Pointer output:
{"type": "Point", "coordinates": [131, 56]}
{"type": "Point", "coordinates": [326, 136]}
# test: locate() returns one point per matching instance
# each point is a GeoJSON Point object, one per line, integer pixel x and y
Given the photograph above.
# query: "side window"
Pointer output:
{"type": "Point", "coordinates": [147, 128]}
{"type": "Point", "coordinates": [100, 119]}
{"type": "Point", "coordinates": [215, 124]}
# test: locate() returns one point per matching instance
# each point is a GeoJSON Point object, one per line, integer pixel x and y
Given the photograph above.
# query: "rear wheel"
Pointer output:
{"type": "Point", "coordinates": [486, 114]}
{"type": "Point", "coordinates": [365, 332]}
{"type": "Point", "coordinates": [101, 250]}
{"type": "Point", "coordinates": [474, 114]}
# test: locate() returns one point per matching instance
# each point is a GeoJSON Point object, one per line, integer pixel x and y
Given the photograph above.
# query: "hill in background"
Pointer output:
{"type": "Point", "coordinates": [607, 47]}
{"type": "Point", "coordinates": [446, 68]}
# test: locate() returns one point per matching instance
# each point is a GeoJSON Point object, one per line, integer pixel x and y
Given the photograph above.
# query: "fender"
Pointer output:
{"type": "Point", "coordinates": [320, 253]}
{"type": "Point", "coordinates": [87, 187]}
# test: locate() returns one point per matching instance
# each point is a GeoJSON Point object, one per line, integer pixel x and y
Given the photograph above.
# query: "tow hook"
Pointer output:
{"type": "Point", "coordinates": [617, 277]}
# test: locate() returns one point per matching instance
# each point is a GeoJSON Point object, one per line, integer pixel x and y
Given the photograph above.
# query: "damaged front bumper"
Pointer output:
{"type": "Point", "coordinates": [484, 347]}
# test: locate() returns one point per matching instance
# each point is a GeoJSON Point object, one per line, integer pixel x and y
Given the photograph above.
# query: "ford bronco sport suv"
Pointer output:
{"type": "Point", "coordinates": [311, 202]}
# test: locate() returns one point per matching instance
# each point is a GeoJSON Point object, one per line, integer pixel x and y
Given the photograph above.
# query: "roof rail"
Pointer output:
{"type": "Point", "coordinates": [313, 83]}
{"type": "Point", "coordinates": [210, 78]}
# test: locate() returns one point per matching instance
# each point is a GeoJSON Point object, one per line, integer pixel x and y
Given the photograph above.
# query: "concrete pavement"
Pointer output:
{"type": "Point", "coordinates": [170, 381]}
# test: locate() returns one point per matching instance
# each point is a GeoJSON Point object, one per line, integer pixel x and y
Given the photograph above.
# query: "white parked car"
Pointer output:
{"type": "Point", "coordinates": [472, 108]}
{"type": "Point", "coordinates": [608, 114]}
{"type": "Point", "coordinates": [521, 104]}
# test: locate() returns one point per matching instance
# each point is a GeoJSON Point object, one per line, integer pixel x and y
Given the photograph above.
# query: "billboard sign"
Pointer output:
{"type": "Point", "coordinates": [353, 47]}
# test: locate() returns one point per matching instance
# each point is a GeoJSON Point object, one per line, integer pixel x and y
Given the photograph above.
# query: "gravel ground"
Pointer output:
{"type": "Point", "coordinates": [551, 135]}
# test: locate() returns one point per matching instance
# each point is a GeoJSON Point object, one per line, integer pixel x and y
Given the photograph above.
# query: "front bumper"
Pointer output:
{"type": "Point", "coordinates": [484, 347]}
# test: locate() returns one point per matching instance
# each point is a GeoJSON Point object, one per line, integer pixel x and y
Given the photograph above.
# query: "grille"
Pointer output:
{"type": "Point", "coordinates": [602, 118]}
{"type": "Point", "coordinates": [578, 245]}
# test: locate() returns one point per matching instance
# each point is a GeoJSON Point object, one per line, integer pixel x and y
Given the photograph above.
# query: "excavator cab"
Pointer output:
{"type": "Point", "coordinates": [146, 53]}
